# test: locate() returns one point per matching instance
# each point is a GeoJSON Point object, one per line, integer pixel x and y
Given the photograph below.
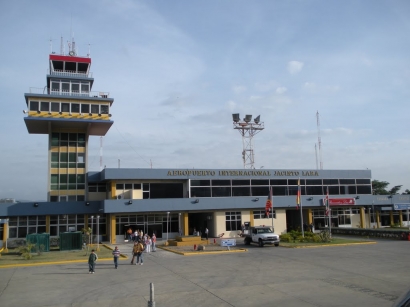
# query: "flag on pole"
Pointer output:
{"type": "Point", "coordinates": [268, 205]}
{"type": "Point", "coordinates": [298, 196]}
{"type": "Point", "coordinates": [327, 201]}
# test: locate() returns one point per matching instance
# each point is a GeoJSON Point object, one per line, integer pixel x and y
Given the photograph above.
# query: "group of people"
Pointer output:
{"type": "Point", "coordinates": [141, 243]}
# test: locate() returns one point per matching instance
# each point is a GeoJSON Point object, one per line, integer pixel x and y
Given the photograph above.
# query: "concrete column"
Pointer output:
{"type": "Point", "coordinates": [251, 220]}
{"type": "Point", "coordinates": [5, 236]}
{"type": "Point", "coordinates": [401, 218]}
{"type": "Point", "coordinates": [391, 218]}
{"type": "Point", "coordinates": [378, 218]}
{"type": "Point", "coordinates": [113, 237]}
{"type": "Point", "coordinates": [185, 224]}
{"type": "Point", "coordinates": [310, 216]}
{"type": "Point", "coordinates": [113, 189]}
{"type": "Point", "coordinates": [86, 221]}
{"type": "Point", "coordinates": [47, 224]}
{"type": "Point", "coordinates": [362, 218]}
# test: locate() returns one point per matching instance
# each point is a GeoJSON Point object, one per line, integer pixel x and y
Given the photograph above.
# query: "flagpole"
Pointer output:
{"type": "Point", "coordinates": [301, 209]}
{"type": "Point", "coordinates": [273, 229]}
{"type": "Point", "coordinates": [330, 213]}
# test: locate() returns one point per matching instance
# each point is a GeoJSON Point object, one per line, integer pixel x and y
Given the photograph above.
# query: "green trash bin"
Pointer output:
{"type": "Point", "coordinates": [70, 241]}
{"type": "Point", "coordinates": [41, 240]}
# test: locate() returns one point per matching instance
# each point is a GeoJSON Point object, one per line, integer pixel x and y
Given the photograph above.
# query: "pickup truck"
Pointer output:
{"type": "Point", "coordinates": [261, 235]}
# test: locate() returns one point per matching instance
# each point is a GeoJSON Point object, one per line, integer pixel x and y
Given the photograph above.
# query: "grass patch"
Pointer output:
{"type": "Point", "coordinates": [15, 258]}
{"type": "Point", "coordinates": [333, 241]}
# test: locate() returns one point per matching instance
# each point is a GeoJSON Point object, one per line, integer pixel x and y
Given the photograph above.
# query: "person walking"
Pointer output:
{"type": "Point", "coordinates": [129, 233]}
{"type": "Point", "coordinates": [91, 262]}
{"type": "Point", "coordinates": [154, 241]}
{"type": "Point", "coordinates": [148, 244]}
{"type": "Point", "coordinates": [134, 252]}
{"type": "Point", "coordinates": [139, 249]}
{"type": "Point", "coordinates": [206, 233]}
{"type": "Point", "coordinates": [116, 253]}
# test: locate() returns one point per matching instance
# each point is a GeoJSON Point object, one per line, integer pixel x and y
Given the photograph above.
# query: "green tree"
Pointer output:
{"type": "Point", "coordinates": [379, 187]}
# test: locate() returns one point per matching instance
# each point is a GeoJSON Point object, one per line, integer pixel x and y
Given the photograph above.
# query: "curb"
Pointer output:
{"type": "Point", "coordinates": [203, 252]}
{"type": "Point", "coordinates": [6, 266]}
{"type": "Point", "coordinates": [329, 245]}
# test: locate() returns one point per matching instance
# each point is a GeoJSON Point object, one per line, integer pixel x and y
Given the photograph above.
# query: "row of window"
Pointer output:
{"type": "Point", "coordinates": [277, 191]}
{"type": "Point", "coordinates": [69, 107]}
{"type": "Point", "coordinates": [70, 86]}
{"type": "Point", "coordinates": [70, 140]}
{"type": "Point", "coordinates": [67, 182]}
{"type": "Point", "coordinates": [278, 182]}
{"type": "Point", "coordinates": [76, 67]}
{"type": "Point", "coordinates": [65, 198]}
{"type": "Point", "coordinates": [21, 226]}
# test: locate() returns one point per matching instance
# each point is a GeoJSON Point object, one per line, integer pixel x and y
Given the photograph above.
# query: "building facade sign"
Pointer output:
{"type": "Point", "coordinates": [341, 201]}
{"type": "Point", "coordinates": [244, 173]}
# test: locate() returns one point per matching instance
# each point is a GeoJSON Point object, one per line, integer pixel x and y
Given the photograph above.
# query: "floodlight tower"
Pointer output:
{"type": "Point", "coordinates": [247, 129]}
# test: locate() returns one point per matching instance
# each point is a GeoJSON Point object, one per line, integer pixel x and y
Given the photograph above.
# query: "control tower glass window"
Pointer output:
{"type": "Point", "coordinates": [104, 109]}
{"type": "Point", "coordinates": [33, 105]}
{"type": "Point", "coordinates": [95, 109]}
{"type": "Point", "coordinates": [85, 108]}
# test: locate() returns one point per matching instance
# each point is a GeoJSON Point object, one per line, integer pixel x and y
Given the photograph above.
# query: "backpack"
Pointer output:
{"type": "Point", "coordinates": [143, 246]}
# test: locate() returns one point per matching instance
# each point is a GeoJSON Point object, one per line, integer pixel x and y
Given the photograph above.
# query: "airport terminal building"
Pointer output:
{"type": "Point", "coordinates": [168, 201]}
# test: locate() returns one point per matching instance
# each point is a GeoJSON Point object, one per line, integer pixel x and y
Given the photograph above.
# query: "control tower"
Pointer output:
{"type": "Point", "coordinates": [68, 111]}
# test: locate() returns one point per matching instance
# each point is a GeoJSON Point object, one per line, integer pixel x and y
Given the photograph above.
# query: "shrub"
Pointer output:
{"type": "Point", "coordinates": [286, 237]}
{"type": "Point", "coordinates": [26, 251]}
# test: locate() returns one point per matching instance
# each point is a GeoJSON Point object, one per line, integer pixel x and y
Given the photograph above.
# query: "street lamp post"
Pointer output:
{"type": "Point", "coordinates": [167, 225]}
{"type": "Point", "coordinates": [179, 224]}
{"type": "Point", "coordinates": [98, 233]}
{"type": "Point", "coordinates": [374, 220]}
{"type": "Point", "coordinates": [6, 229]}
{"type": "Point", "coordinates": [92, 229]}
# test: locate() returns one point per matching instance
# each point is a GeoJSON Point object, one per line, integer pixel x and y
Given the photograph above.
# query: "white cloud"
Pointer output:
{"type": "Point", "coordinates": [294, 67]}
{"type": "Point", "coordinates": [281, 90]}
{"type": "Point", "coordinates": [238, 89]}
{"type": "Point", "coordinates": [266, 86]}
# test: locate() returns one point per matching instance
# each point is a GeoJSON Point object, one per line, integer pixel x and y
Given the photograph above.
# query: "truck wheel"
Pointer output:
{"type": "Point", "coordinates": [276, 244]}
{"type": "Point", "coordinates": [248, 241]}
{"type": "Point", "coordinates": [260, 243]}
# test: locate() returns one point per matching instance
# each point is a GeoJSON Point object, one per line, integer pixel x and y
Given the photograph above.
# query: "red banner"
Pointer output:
{"type": "Point", "coordinates": [341, 201]}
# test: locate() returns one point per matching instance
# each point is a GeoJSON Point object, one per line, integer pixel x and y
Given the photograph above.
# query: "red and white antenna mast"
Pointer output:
{"type": "Point", "coordinates": [319, 140]}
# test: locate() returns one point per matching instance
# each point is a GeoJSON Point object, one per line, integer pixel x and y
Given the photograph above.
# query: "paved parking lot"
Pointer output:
{"type": "Point", "coordinates": [360, 275]}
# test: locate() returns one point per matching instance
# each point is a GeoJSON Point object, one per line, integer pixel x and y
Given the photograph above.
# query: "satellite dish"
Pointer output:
{"type": "Point", "coordinates": [71, 53]}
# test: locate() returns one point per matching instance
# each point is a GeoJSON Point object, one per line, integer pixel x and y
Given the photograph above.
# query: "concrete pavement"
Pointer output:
{"type": "Point", "coordinates": [357, 275]}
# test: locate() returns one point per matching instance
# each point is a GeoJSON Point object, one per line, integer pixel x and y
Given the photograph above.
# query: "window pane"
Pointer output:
{"type": "Point", "coordinates": [33, 105]}
{"type": "Point", "coordinates": [44, 106]}
{"type": "Point", "coordinates": [221, 183]}
{"type": "Point", "coordinates": [95, 108]}
{"type": "Point", "coordinates": [75, 108]}
{"type": "Point", "coordinates": [85, 108]}
{"type": "Point", "coordinates": [104, 109]}
{"type": "Point", "coordinates": [65, 107]}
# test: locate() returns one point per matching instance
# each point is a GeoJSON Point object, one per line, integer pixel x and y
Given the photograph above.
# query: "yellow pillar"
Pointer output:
{"type": "Point", "coordinates": [310, 216]}
{"type": "Point", "coordinates": [113, 238]}
{"type": "Point", "coordinates": [251, 220]}
{"type": "Point", "coordinates": [362, 218]}
{"type": "Point", "coordinates": [47, 224]}
{"type": "Point", "coordinates": [185, 223]}
{"type": "Point", "coordinates": [5, 235]}
{"type": "Point", "coordinates": [401, 218]}
{"type": "Point", "coordinates": [391, 218]}
{"type": "Point", "coordinates": [85, 221]}
{"type": "Point", "coordinates": [113, 189]}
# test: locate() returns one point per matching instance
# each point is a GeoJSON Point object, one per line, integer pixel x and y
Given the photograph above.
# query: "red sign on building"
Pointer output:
{"type": "Point", "coordinates": [341, 201]}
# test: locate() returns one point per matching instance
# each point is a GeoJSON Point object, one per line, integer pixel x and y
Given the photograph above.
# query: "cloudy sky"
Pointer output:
{"type": "Point", "coordinates": [177, 70]}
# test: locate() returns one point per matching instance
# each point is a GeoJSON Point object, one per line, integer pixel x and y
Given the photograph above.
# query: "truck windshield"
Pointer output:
{"type": "Point", "coordinates": [264, 230]}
